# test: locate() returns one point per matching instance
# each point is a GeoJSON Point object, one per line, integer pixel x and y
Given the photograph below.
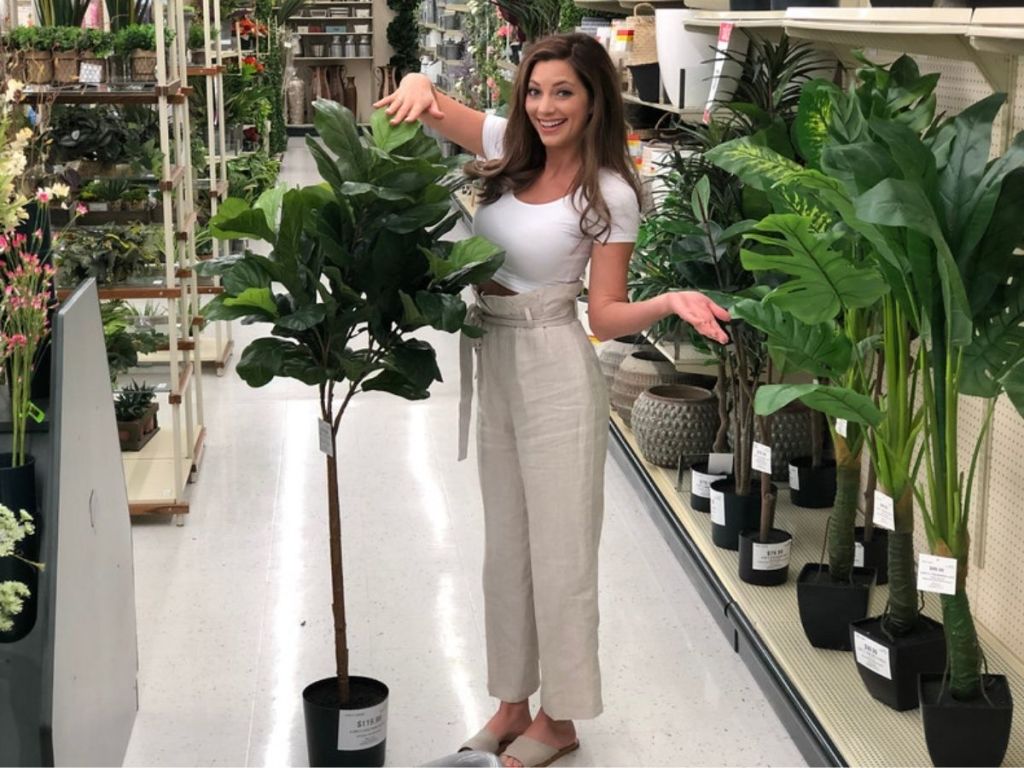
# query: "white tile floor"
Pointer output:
{"type": "Point", "coordinates": [234, 608]}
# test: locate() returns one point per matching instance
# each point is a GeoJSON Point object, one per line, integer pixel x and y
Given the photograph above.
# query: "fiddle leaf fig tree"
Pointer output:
{"type": "Point", "coordinates": [356, 265]}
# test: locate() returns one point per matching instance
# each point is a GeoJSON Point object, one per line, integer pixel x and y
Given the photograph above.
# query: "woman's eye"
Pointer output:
{"type": "Point", "coordinates": [565, 93]}
{"type": "Point", "coordinates": [533, 92]}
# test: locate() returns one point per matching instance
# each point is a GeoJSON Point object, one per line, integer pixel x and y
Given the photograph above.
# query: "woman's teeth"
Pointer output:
{"type": "Point", "coordinates": [550, 124]}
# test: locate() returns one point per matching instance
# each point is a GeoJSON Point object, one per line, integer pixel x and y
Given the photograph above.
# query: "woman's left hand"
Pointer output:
{"type": "Point", "coordinates": [700, 312]}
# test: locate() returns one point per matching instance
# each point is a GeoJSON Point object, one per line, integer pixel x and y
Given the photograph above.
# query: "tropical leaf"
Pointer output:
{"type": "Point", "coordinates": [813, 119]}
{"type": "Point", "coordinates": [820, 349]}
{"type": "Point", "coordinates": [824, 282]}
{"type": "Point", "coordinates": [837, 402]}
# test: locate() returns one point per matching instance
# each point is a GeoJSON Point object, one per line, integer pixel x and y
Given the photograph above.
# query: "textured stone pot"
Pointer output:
{"type": "Point", "coordinates": [640, 371]}
{"type": "Point", "coordinates": [611, 354]}
{"type": "Point", "coordinates": [791, 437]}
{"type": "Point", "coordinates": [675, 420]}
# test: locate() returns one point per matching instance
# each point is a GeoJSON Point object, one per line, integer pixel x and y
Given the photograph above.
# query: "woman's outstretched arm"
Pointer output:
{"type": "Point", "coordinates": [418, 99]}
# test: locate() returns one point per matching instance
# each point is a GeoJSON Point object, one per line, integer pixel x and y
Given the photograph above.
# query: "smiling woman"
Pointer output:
{"type": "Point", "coordinates": [559, 193]}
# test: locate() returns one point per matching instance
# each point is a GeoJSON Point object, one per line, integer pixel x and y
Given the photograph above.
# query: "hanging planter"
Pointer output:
{"type": "Point", "coordinates": [674, 422]}
{"type": "Point", "coordinates": [968, 733]}
{"type": "Point", "coordinates": [889, 666]}
{"type": "Point", "coordinates": [828, 607]}
{"type": "Point", "coordinates": [353, 734]}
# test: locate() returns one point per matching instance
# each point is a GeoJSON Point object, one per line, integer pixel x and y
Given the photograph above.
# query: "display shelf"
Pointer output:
{"type": "Point", "coordinates": [160, 291]}
{"type": "Point", "coordinates": [332, 58]}
{"type": "Point", "coordinates": [142, 93]}
{"type": "Point", "coordinates": [153, 484]}
{"type": "Point", "coordinates": [822, 687]}
{"type": "Point", "coordinates": [211, 354]}
{"type": "Point", "coordinates": [457, 7]}
{"type": "Point", "coordinates": [346, 19]}
{"type": "Point", "coordinates": [690, 112]}
{"type": "Point", "coordinates": [466, 202]}
{"type": "Point", "coordinates": [334, 34]}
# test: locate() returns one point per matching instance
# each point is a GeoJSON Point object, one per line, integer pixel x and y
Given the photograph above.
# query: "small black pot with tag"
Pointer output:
{"type": "Point", "coordinates": [349, 735]}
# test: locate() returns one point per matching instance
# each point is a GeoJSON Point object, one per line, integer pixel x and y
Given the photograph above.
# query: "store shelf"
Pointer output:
{"type": "Point", "coordinates": [332, 58]}
{"type": "Point", "coordinates": [690, 112]}
{"type": "Point", "coordinates": [209, 354]}
{"type": "Point", "coordinates": [466, 202]}
{"type": "Point", "coordinates": [142, 93]}
{"type": "Point", "coordinates": [821, 689]}
{"type": "Point", "coordinates": [344, 19]}
{"type": "Point", "coordinates": [149, 475]}
{"type": "Point", "coordinates": [159, 291]}
{"type": "Point", "coordinates": [332, 34]}
{"type": "Point", "coordinates": [457, 7]}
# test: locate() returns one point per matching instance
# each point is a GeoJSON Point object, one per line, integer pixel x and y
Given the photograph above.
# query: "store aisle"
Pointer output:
{"type": "Point", "coordinates": [234, 607]}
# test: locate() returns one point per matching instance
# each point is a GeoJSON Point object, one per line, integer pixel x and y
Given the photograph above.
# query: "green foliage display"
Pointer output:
{"type": "Point", "coordinates": [138, 37]}
{"type": "Point", "coordinates": [96, 41]}
{"type": "Point", "coordinates": [360, 265]}
{"type": "Point", "coordinates": [111, 253]}
{"type": "Point", "coordinates": [107, 134]}
{"type": "Point", "coordinates": [67, 38]}
{"type": "Point", "coordinates": [32, 38]}
{"type": "Point", "coordinates": [249, 176]}
{"type": "Point", "coordinates": [125, 337]}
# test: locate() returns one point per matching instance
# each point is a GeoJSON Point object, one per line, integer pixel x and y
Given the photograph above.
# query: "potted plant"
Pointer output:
{"type": "Point", "coordinates": [95, 46]}
{"type": "Point", "coordinates": [137, 42]}
{"type": "Point", "coordinates": [361, 263]}
{"type": "Point", "coordinates": [135, 409]}
{"type": "Point", "coordinates": [125, 338]}
{"type": "Point", "coordinates": [66, 42]}
{"type": "Point", "coordinates": [36, 47]}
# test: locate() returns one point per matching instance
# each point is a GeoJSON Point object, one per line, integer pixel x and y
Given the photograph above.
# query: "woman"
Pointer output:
{"type": "Point", "coordinates": [559, 192]}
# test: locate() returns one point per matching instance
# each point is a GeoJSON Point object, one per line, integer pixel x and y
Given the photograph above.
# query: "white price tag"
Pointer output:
{"type": "Point", "coordinates": [842, 426]}
{"type": "Point", "coordinates": [761, 458]}
{"type": "Point", "coordinates": [700, 483]}
{"type": "Point", "coordinates": [362, 728]}
{"type": "Point", "coordinates": [794, 477]}
{"type": "Point", "coordinates": [326, 445]}
{"type": "Point", "coordinates": [858, 555]}
{"type": "Point", "coordinates": [936, 574]}
{"type": "Point", "coordinates": [771, 557]}
{"type": "Point", "coordinates": [720, 463]}
{"type": "Point", "coordinates": [717, 507]}
{"type": "Point", "coordinates": [885, 513]}
{"type": "Point", "coordinates": [872, 655]}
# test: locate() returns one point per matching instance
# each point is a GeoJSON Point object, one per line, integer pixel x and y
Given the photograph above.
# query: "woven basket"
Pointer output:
{"type": "Point", "coordinates": [645, 40]}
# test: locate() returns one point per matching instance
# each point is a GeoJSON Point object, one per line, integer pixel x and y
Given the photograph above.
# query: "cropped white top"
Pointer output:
{"type": "Point", "coordinates": [542, 242]}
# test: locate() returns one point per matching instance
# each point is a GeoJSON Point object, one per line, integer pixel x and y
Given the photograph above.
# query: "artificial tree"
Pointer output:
{"type": "Point", "coordinates": [362, 265]}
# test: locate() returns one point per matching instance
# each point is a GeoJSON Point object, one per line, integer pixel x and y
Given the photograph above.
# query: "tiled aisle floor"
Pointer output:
{"type": "Point", "coordinates": [234, 608]}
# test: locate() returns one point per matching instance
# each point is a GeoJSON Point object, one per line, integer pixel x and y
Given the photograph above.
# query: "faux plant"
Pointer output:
{"type": "Point", "coordinates": [61, 13]}
{"type": "Point", "coordinates": [250, 176]}
{"type": "Point", "coordinates": [125, 338]}
{"type": "Point", "coordinates": [67, 38]}
{"type": "Point", "coordinates": [111, 253]}
{"type": "Point", "coordinates": [139, 37]}
{"type": "Point", "coordinates": [361, 265]}
{"type": "Point", "coordinates": [403, 36]}
{"type": "Point", "coordinates": [96, 42]}
{"type": "Point", "coordinates": [32, 38]}
{"type": "Point", "coordinates": [14, 528]}
{"type": "Point", "coordinates": [123, 13]}
{"type": "Point", "coordinates": [133, 400]}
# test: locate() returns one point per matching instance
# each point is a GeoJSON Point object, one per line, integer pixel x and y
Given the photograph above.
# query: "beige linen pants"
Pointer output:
{"type": "Point", "coordinates": [541, 442]}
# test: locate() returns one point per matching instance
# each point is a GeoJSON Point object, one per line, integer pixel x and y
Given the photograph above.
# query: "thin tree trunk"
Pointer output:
{"type": "Point", "coordinates": [869, 505]}
{"type": "Point", "coordinates": [337, 575]}
{"type": "Point", "coordinates": [844, 513]}
{"type": "Point", "coordinates": [817, 436]}
{"type": "Point", "coordinates": [722, 389]}
{"type": "Point", "coordinates": [767, 497]}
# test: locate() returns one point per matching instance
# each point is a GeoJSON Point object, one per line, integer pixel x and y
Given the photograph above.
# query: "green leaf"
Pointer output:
{"type": "Point", "coordinates": [362, 189]}
{"type": "Point", "coordinates": [235, 220]}
{"type": "Point", "coordinates": [824, 280]}
{"type": "Point", "coordinates": [304, 318]}
{"type": "Point", "coordinates": [820, 349]}
{"type": "Point", "coordinates": [837, 402]}
{"type": "Point", "coordinates": [813, 118]}
{"type": "Point", "coordinates": [390, 137]}
{"type": "Point", "coordinates": [997, 349]}
{"type": "Point", "coordinates": [266, 358]}
{"type": "Point", "coordinates": [270, 203]}
{"type": "Point", "coordinates": [700, 199]}
{"type": "Point", "coordinates": [859, 166]}
{"type": "Point", "coordinates": [245, 274]}
{"type": "Point", "coordinates": [472, 260]}
{"type": "Point", "coordinates": [397, 384]}
{"type": "Point", "coordinates": [443, 311]}
{"type": "Point", "coordinates": [259, 299]}
{"type": "Point", "coordinates": [337, 127]}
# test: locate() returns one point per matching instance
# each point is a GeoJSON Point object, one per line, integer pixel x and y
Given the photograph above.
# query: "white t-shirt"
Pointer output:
{"type": "Point", "coordinates": [542, 242]}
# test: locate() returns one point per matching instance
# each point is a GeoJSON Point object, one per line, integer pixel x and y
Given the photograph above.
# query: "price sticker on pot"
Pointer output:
{"type": "Point", "coordinates": [872, 655]}
{"type": "Point", "coordinates": [700, 483]}
{"type": "Point", "coordinates": [771, 557]}
{"type": "Point", "coordinates": [858, 555]}
{"type": "Point", "coordinates": [326, 443]}
{"type": "Point", "coordinates": [936, 574]}
{"type": "Point", "coordinates": [842, 427]}
{"type": "Point", "coordinates": [794, 477]}
{"type": "Point", "coordinates": [761, 458]}
{"type": "Point", "coordinates": [885, 512]}
{"type": "Point", "coordinates": [719, 463]}
{"type": "Point", "coordinates": [717, 507]}
{"type": "Point", "coordinates": [362, 728]}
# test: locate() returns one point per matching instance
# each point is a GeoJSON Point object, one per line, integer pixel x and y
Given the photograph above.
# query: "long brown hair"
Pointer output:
{"type": "Point", "coordinates": [604, 137]}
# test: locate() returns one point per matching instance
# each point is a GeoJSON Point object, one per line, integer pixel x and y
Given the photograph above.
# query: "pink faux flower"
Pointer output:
{"type": "Point", "coordinates": [81, 209]}
{"type": "Point", "coordinates": [42, 195]}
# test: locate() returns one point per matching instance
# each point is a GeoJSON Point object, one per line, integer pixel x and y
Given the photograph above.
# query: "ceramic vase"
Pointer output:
{"type": "Point", "coordinates": [611, 354]}
{"type": "Point", "coordinates": [639, 371]}
{"type": "Point", "coordinates": [675, 422]}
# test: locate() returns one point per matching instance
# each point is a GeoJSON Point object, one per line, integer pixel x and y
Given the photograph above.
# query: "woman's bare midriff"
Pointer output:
{"type": "Point", "coordinates": [491, 288]}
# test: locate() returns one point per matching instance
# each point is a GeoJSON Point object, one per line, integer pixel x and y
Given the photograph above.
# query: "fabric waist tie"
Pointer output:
{"type": "Point", "coordinates": [546, 307]}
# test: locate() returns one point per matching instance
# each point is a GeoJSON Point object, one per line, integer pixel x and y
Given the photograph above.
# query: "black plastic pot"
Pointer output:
{"type": "Point", "coordinates": [750, 5]}
{"type": "Point", "coordinates": [740, 513]}
{"type": "Point", "coordinates": [699, 481]}
{"type": "Point", "coordinates": [973, 733]}
{"type": "Point", "coordinates": [905, 3]}
{"type": "Point", "coordinates": [769, 566]}
{"type": "Point", "coordinates": [827, 607]}
{"type": "Point", "coordinates": [647, 81]}
{"type": "Point", "coordinates": [781, 5]}
{"type": "Point", "coordinates": [18, 492]}
{"type": "Point", "coordinates": [351, 735]}
{"type": "Point", "coordinates": [876, 554]}
{"type": "Point", "coordinates": [814, 488]}
{"type": "Point", "coordinates": [895, 683]}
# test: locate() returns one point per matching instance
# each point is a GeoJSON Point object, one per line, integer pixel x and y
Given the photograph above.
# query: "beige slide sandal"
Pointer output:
{"type": "Point", "coordinates": [484, 741]}
{"type": "Point", "coordinates": [531, 753]}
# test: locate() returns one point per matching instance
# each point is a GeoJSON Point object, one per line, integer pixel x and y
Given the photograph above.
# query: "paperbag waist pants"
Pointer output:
{"type": "Point", "coordinates": [541, 442]}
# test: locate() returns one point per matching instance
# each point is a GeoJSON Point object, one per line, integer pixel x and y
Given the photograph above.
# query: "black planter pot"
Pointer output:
{"type": "Point", "coordinates": [889, 666]}
{"type": "Point", "coordinates": [765, 564]}
{"type": "Point", "coordinates": [972, 733]}
{"type": "Point", "coordinates": [814, 488]}
{"type": "Point", "coordinates": [647, 81]}
{"type": "Point", "coordinates": [18, 492]}
{"type": "Point", "coordinates": [700, 486]}
{"type": "Point", "coordinates": [750, 5]}
{"type": "Point", "coordinates": [828, 607]}
{"type": "Point", "coordinates": [781, 5]}
{"type": "Point", "coordinates": [353, 735]}
{"type": "Point", "coordinates": [739, 514]}
{"type": "Point", "coordinates": [905, 3]}
{"type": "Point", "coordinates": [876, 554]}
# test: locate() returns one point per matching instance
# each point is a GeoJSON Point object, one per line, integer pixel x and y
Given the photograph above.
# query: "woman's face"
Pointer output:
{"type": "Point", "coordinates": [557, 104]}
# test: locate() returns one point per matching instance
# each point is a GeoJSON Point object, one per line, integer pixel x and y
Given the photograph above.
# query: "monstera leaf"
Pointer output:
{"type": "Point", "coordinates": [837, 402]}
{"type": "Point", "coordinates": [824, 280]}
